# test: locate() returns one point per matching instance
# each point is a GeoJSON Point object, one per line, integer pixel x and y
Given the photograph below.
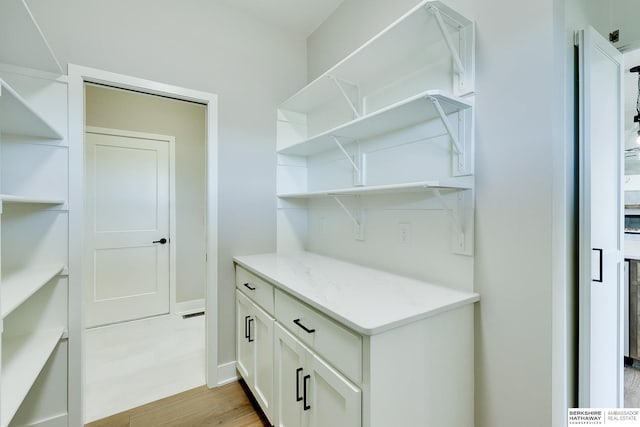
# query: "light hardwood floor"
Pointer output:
{"type": "Point", "coordinates": [134, 363]}
{"type": "Point", "coordinates": [631, 387]}
{"type": "Point", "coordinates": [227, 406]}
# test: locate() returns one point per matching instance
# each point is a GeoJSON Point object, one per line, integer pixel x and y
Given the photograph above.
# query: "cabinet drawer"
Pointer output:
{"type": "Point", "coordinates": [255, 288]}
{"type": "Point", "coordinates": [341, 347]}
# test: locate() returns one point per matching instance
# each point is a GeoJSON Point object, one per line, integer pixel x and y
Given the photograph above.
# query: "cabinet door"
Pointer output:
{"type": "Point", "coordinates": [244, 349]}
{"type": "Point", "coordinates": [261, 338]}
{"type": "Point", "coordinates": [289, 374]}
{"type": "Point", "coordinates": [331, 399]}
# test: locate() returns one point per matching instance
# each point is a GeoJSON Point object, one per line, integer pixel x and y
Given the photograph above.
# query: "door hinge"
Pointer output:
{"type": "Point", "coordinates": [614, 36]}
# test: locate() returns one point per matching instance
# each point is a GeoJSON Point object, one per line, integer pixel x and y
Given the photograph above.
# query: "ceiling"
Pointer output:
{"type": "Point", "coordinates": [300, 16]}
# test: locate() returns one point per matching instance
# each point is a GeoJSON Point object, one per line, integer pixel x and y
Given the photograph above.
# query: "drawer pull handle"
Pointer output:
{"type": "Point", "coordinates": [246, 327]}
{"type": "Point", "coordinates": [306, 407]}
{"type": "Point", "coordinates": [307, 330]}
{"type": "Point", "coordinates": [250, 339]}
{"type": "Point", "coordinates": [298, 397]}
{"type": "Point", "coordinates": [248, 286]}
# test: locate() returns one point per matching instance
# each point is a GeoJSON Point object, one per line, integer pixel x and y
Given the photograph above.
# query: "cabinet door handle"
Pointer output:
{"type": "Point", "coordinates": [298, 397]}
{"type": "Point", "coordinates": [307, 330]}
{"type": "Point", "coordinates": [248, 286]}
{"type": "Point", "coordinates": [246, 327]}
{"type": "Point", "coordinates": [250, 339]}
{"type": "Point", "coordinates": [305, 381]}
{"type": "Point", "coordinates": [599, 279]}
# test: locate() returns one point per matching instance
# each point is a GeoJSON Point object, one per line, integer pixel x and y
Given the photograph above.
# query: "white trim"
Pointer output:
{"type": "Point", "coordinates": [190, 307]}
{"type": "Point", "coordinates": [78, 75]}
{"type": "Point", "coordinates": [55, 421]}
{"type": "Point", "coordinates": [171, 140]}
{"type": "Point", "coordinates": [227, 373]}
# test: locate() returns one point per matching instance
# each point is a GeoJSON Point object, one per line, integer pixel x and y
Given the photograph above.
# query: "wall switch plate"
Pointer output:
{"type": "Point", "coordinates": [404, 232]}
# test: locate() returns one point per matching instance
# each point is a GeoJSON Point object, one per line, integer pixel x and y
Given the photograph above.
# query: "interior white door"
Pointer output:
{"type": "Point", "coordinates": [600, 358]}
{"type": "Point", "coordinates": [127, 221]}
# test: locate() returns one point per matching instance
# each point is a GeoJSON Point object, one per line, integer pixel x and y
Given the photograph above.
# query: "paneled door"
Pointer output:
{"type": "Point", "coordinates": [600, 352]}
{"type": "Point", "coordinates": [127, 225]}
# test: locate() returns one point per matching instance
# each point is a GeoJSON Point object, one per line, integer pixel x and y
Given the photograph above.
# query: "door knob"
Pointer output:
{"type": "Point", "coordinates": [161, 241]}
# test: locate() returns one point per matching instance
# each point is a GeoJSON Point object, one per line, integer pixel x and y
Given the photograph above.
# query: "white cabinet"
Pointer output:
{"type": "Point", "coordinates": [342, 334]}
{"type": "Point", "coordinates": [309, 392]}
{"type": "Point", "coordinates": [254, 343]}
{"type": "Point", "coordinates": [395, 117]}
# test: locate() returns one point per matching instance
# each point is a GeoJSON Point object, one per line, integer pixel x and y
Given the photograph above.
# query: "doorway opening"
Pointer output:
{"type": "Point", "coordinates": [124, 156]}
{"type": "Point", "coordinates": [631, 188]}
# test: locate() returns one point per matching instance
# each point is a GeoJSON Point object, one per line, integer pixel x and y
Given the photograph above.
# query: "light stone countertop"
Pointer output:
{"type": "Point", "coordinates": [366, 300]}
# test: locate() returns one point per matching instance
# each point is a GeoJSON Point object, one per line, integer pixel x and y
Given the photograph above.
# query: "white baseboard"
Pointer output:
{"type": "Point", "coordinates": [227, 373]}
{"type": "Point", "coordinates": [189, 307]}
{"type": "Point", "coordinates": [57, 421]}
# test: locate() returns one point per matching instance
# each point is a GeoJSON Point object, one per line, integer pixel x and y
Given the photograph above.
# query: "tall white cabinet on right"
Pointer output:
{"type": "Point", "coordinates": [376, 156]}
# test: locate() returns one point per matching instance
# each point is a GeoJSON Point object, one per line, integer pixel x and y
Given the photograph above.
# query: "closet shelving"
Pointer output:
{"type": "Point", "coordinates": [23, 358]}
{"type": "Point", "coordinates": [19, 286]}
{"type": "Point", "coordinates": [411, 84]}
{"type": "Point", "coordinates": [382, 61]}
{"type": "Point", "coordinates": [22, 41]}
{"type": "Point", "coordinates": [33, 222]}
{"type": "Point", "coordinates": [10, 198]}
{"type": "Point", "coordinates": [18, 118]}
{"type": "Point", "coordinates": [409, 187]}
{"type": "Point", "coordinates": [416, 109]}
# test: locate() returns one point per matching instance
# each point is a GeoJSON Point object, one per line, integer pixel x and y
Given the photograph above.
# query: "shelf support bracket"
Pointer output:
{"type": "Point", "coordinates": [454, 217]}
{"type": "Point", "coordinates": [445, 121]}
{"type": "Point", "coordinates": [356, 168]}
{"type": "Point", "coordinates": [447, 39]}
{"type": "Point", "coordinates": [356, 219]}
{"type": "Point", "coordinates": [340, 87]}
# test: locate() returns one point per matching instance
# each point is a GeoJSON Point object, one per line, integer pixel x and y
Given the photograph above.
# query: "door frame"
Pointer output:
{"type": "Point", "coordinates": [77, 77]}
{"type": "Point", "coordinates": [171, 141]}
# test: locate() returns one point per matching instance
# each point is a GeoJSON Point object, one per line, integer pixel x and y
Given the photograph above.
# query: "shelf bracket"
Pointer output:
{"type": "Point", "coordinates": [447, 39]}
{"type": "Point", "coordinates": [357, 170]}
{"type": "Point", "coordinates": [454, 216]}
{"type": "Point", "coordinates": [453, 135]}
{"type": "Point", "coordinates": [340, 87]}
{"type": "Point", "coordinates": [357, 219]}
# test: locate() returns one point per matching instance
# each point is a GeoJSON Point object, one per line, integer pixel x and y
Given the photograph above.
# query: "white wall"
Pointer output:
{"type": "Point", "coordinates": [186, 121]}
{"type": "Point", "coordinates": [515, 180]}
{"type": "Point", "coordinates": [208, 46]}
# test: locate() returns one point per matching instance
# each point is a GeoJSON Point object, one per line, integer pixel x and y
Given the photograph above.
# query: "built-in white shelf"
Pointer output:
{"type": "Point", "coordinates": [410, 187]}
{"type": "Point", "coordinates": [407, 37]}
{"type": "Point", "coordinates": [17, 287]}
{"type": "Point", "coordinates": [411, 111]}
{"type": "Point", "coordinates": [18, 118]}
{"type": "Point", "coordinates": [10, 198]}
{"type": "Point", "coordinates": [23, 42]}
{"type": "Point", "coordinates": [23, 357]}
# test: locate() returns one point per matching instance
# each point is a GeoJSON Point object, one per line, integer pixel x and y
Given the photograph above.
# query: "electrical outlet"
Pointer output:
{"type": "Point", "coordinates": [404, 232]}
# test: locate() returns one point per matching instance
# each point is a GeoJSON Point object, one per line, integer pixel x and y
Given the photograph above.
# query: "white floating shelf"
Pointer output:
{"type": "Point", "coordinates": [18, 118]}
{"type": "Point", "coordinates": [17, 287]}
{"type": "Point", "coordinates": [23, 42]}
{"type": "Point", "coordinates": [10, 198]}
{"type": "Point", "coordinates": [410, 187]}
{"type": "Point", "coordinates": [415, 29]}
{"type": "Point", "coordinates": [23, 357]}
{"type": "Point", "coordinates": [411, 111]}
